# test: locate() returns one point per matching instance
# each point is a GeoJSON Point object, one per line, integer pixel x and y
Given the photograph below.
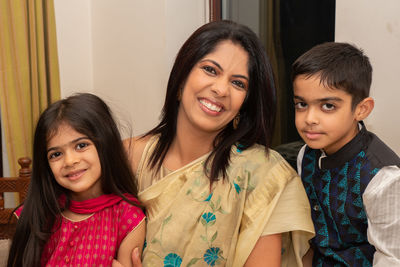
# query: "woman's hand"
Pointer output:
{"type": "Point", "coordinates": [136, 262]}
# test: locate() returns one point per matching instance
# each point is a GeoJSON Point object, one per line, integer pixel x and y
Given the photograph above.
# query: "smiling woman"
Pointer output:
{"type": "Point", "coordinates": [214, 91]}
{"type": "Point", "coordinates": [214, 193]}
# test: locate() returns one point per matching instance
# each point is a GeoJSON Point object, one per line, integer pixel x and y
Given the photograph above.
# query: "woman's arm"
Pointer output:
{"type": "Point", "coordinates": [134, 148]}
{"type": "Point", "coordinates": [266, 252]}
{"type": "Point", "coordinates": [308, 257]}
{"type": "Point", "coordinates": [134, 239]}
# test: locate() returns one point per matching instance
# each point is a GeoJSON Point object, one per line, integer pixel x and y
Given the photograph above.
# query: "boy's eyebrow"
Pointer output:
{"type": "Point", "coordinates": [219, 67]}
{"type": "Point", "coordinates": [333, 98]}
{"type": "Point", "coordinates": [73, 141]}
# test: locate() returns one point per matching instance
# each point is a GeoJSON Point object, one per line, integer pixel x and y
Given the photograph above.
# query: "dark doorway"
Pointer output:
{"type": "Point", "coordinates": [288, 28]}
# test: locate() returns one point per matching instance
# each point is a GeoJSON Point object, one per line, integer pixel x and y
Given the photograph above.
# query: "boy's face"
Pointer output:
{"type": "Point", "coordinates": [324, 117]}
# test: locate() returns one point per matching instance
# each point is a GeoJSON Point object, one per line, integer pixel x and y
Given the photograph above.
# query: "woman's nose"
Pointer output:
{"type": "Point", "coordinates": [221, 87]}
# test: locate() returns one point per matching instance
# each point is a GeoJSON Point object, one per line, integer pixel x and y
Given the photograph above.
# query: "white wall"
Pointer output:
{"type": "Point", "coordinates": [374, 26]}
{"type": "Point", "coordinates": [74, 39]}
{"type": "Point", "coordinates": [125, 49]}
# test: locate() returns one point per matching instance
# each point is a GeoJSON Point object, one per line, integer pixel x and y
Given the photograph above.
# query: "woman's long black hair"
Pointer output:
{"type": "Point", "coordinates": [88, 115]}
{"type": "Point", "coordinates": [257, 114]}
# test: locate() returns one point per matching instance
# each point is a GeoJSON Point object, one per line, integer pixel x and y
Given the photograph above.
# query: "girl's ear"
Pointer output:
{"type": "Point", "coordinates": [364, 108]}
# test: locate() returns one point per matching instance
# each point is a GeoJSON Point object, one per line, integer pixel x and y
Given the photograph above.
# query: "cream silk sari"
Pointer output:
{"type": "Point", "coordinates": [189, 225]}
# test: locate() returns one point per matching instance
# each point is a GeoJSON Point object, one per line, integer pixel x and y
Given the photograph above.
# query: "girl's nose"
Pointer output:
{"type": "Point", "coordinates": [71, 158]}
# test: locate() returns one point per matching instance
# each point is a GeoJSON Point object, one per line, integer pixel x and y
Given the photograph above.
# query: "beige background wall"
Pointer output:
{"type": "Point", "coordinates": [374, 25]}
{"type": "Point", "coordinates": [123, 51]}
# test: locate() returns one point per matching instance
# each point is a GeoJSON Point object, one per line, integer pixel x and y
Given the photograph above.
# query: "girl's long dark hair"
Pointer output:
{"type": "Point", "coordinates": [88, 115]}
{"type": "Point", "coordinates": [257, 114]}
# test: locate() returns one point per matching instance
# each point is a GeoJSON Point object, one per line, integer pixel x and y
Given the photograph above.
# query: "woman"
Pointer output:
{"type": "Point", "coordinates": [214, 193]}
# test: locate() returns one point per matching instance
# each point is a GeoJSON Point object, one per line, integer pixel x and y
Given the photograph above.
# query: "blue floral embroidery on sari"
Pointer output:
{"type": "Point", "coordinates": [237, 187]}
{"type": "Point", "coordinates": [172, 260]}
{"type": "Point", "coordinates": [209, 197]}
{"type": "Point", "coordinates": [208, 218]}
{"type": "Point", "coordinates": [239, 148]}
{"type": "Point", "coordinates": [212, 255]}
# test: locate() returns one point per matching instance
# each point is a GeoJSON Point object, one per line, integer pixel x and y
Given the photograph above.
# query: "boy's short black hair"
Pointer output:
{"type": "Point", "coordinates": [340, 66]}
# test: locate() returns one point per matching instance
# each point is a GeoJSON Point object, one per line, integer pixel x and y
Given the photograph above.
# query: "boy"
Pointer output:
{"type": "Point", "coordinates": [351, 177]}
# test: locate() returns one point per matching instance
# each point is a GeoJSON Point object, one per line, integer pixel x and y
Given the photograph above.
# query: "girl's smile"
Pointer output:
{"type": "Point", "coordinates": [75, 164]}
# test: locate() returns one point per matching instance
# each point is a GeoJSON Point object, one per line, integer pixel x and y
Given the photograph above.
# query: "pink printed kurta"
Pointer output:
{"type": "Point", "coordinates": [93, 241]}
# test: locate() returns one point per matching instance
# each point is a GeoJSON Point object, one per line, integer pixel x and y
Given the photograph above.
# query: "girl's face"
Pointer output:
{"type": "Point", "coordinates": [215, 89]}
{"type": "Point", "coordinates": [75, 163]}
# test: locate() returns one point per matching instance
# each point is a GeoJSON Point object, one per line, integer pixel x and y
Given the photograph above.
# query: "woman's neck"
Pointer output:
{"type": "Point", "coordinates": [188, 145]}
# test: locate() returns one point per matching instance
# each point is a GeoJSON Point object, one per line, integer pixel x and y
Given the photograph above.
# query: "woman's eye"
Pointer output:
{"type": "Point", "coordinates": [81, 146]}
{"type": "Point", "coordinates": [239, 84]}
{"type": "Point", "coordinates": [328, 107]}
{"type": "Point", "coordinates": [54, 155]}
{"type": "Point", "coordinates": [300, 105]}
{"type": "Point", "coordinates": [209, 69]}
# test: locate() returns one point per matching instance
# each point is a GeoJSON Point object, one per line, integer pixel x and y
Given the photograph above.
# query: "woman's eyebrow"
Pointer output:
{"type": "Point", "coordinates": [214, 62]}
{"type": "Point", "coordinates": [219, 67]}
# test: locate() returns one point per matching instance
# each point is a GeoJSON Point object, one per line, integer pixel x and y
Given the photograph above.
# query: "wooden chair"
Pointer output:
{"type": "Point", "coordinates": [18, 184]}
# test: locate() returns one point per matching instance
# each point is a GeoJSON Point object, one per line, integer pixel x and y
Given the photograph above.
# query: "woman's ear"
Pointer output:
{"type": "Point", "coordinates": [364, 108]}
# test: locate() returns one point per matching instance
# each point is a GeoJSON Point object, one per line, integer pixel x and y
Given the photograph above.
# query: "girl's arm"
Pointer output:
{"type": "Point", "coordinates": [134, 239]}
{"type": "Point", "coordinates": [266, 252]}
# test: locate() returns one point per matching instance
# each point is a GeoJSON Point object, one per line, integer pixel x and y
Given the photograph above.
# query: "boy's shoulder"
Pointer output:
{"type": "Point", "coordinates": [380, 154]}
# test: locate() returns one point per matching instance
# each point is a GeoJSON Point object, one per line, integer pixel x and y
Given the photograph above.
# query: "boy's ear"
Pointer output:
{"type": "Point", "coordinates": [364, 108]}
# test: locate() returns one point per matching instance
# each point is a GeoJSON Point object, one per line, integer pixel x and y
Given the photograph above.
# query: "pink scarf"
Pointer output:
{"type": "Point", "coordinates": [95, 204]}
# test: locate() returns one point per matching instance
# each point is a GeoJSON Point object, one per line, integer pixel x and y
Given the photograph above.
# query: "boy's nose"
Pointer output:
{"type": "Point", "coordinates": [311, 117]}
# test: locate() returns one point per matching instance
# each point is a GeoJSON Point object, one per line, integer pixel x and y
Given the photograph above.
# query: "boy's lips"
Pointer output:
{"type": "Point", "coordinates": [312, 135]}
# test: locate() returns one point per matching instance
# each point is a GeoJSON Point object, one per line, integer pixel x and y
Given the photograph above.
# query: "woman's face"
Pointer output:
{"type": "Point", "coordinates": [215, 89]}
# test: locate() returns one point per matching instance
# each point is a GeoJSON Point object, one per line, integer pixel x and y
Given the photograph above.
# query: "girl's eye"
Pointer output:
{"type": "Point", "coordinates": [300, 105]}
{"type": "Point", "coordinates": [239, 84]}
{"type": "Point", "coordinates": [81, 146]}
{"type": "Point", "coordinates": [54, 155]}
{"type": "Point", "coordinates": [328, 107]}
{"type": "Point", "coordinates": [209, 69]}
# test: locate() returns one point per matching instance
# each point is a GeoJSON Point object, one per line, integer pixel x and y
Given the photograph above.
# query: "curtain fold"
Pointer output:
{"type": "Point", "coordinates": [270, 36]}
{"type": "Point", "coordinates": [29, 74]}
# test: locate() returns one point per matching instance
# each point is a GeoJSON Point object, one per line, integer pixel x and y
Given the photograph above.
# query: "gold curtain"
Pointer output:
{"type": "Point", "coordinates": [29, 74]}
{"type": "Point", "coordinates": [270, 36]}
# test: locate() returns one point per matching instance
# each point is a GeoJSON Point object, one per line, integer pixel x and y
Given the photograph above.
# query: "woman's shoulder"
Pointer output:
{"type": "Point", "coordinates": [135, 147]}
{"type": "Point", "coordinates": [262, 164]}
{"type": "Point", "coordinates": [259, 154]}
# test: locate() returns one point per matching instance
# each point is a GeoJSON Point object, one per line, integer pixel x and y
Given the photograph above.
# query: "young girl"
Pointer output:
{"type": "Point", "coordinates": [81, 208]}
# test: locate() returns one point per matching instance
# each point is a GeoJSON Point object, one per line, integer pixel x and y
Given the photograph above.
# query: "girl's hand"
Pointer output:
{"type": "Point", "coordinates": [135, 260]}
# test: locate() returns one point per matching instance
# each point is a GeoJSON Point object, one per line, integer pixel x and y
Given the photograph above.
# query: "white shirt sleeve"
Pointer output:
{"type": "Point", "coordinates": [300, 159]}
{"type": "Point", "coordinates": [382, 204]}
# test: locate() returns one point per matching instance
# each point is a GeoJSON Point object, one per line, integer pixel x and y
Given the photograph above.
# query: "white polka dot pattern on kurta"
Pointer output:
{"type": "Point", "coordinates": [93, 241]}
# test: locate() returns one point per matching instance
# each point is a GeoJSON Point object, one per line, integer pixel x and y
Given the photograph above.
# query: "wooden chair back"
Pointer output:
{"type": "Point", "coordinates": [18, 184]}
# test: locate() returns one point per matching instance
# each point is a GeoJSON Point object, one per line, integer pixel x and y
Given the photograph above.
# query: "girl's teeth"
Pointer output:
{"type": "Point", "coordinates": [211, 106]}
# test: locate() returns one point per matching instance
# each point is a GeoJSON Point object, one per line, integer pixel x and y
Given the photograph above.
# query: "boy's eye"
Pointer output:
{"type": "Point", "coordinates": [328, 107]}
{"type": "Point", "coordinates": [239, 84]}
{"type": "Point", "coordinates": [209, 69]}
{"type": "Point", "coordinates": [300, 105]}
{"type": "Point", "coordinates": [81, 146]}
{"type": "Point", "coordinates": [54, 155]}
